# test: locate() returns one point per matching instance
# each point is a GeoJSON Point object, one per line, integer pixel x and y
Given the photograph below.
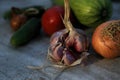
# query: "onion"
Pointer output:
{"type": "Point", "coordinates": [17, 18]}
{"type": "Point", "coordinates": [106, 39]}
{"type": "Point", "coordinates": [17, 21]}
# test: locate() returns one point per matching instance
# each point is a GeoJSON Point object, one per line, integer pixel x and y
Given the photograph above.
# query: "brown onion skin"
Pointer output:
{"type": "Point", "coordinates": [106, 49]}
{"type": "Point", "coordinates": [17, 20]}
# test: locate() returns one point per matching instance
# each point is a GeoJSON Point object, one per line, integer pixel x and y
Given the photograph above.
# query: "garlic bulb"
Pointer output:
{"type": "Point", "coordinates": [69, 46]}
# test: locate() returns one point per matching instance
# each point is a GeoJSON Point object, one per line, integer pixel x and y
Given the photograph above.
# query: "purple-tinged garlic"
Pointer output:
{"type": "Point", "coordinates": [68, 47]}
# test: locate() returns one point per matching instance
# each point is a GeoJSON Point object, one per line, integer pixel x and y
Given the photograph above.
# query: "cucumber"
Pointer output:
{"type": "Point", "coordinates": [26, 33]}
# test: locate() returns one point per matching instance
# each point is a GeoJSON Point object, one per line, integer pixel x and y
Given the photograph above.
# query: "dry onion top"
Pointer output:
{"type": "Point", "coordinates": [113, 32]}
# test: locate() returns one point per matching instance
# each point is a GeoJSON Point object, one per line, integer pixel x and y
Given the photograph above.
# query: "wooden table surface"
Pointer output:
{"type": "Point", "coordinates": [14, 61]}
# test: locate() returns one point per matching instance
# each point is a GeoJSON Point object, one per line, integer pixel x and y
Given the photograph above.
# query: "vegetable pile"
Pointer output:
{"type": "Point", "coordinates": [69, 46]}
{"type": "Point", "coordinates": [25, 22]}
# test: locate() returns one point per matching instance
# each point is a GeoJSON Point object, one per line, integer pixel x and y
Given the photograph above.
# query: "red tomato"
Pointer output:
{"type": "Point", "coordinates": [51, 20]}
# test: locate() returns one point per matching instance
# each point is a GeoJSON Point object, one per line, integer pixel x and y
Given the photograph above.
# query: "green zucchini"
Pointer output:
{"type": "Point", "coordinates": [26, 33]}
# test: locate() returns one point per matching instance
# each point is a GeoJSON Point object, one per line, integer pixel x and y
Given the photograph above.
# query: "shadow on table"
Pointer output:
{"type": "Point", "coordinates": [116, 0]}
{"type": "Point", "coordinates": [92, 58]}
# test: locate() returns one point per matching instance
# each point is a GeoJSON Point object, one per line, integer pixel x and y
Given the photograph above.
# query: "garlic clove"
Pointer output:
{"type": "Point", "coordinates": [58, 52]}
{"type": "Point", "coordinates": [55, 38]}
{"type": "Point", "coordinates": [68, 57]}
{"type": "Point", "coordinates": [79, 44]}
{"type": "Point", "coordinates": [78, 41]}
{"type": "Point", "coordinates": [58, 36]}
